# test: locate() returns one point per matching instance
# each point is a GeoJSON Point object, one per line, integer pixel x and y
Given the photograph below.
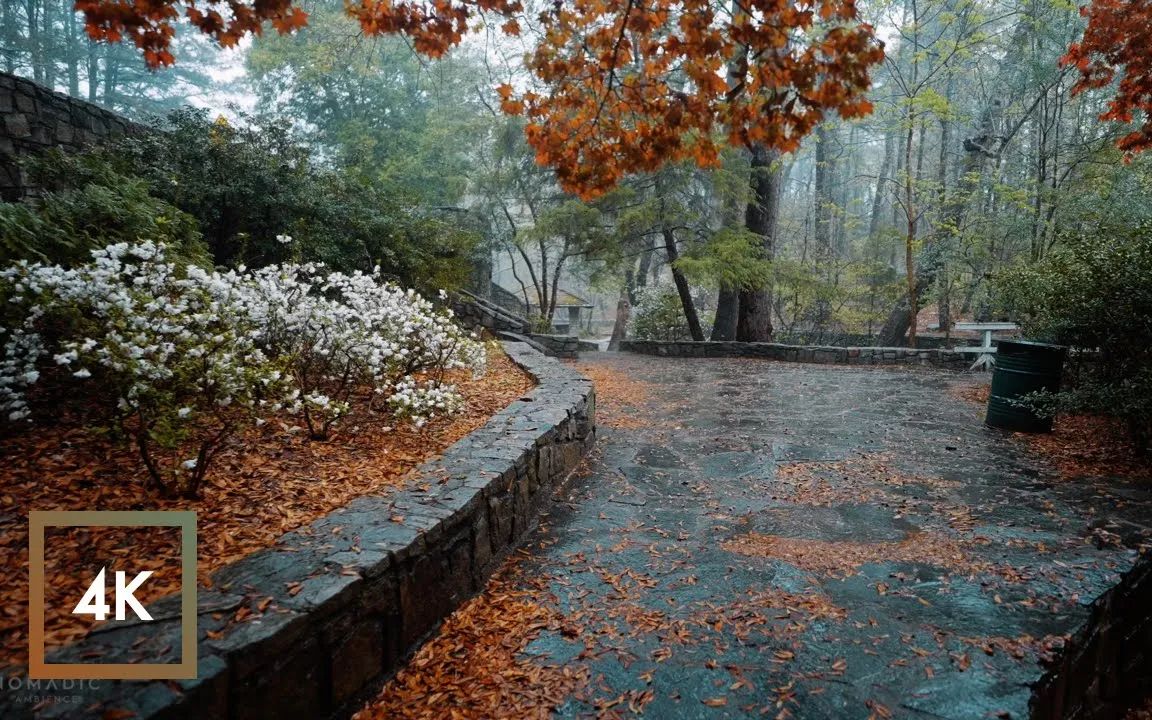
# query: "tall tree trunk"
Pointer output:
{"type": "Point", "coordinates": [35, 42]}
{"type": "Point", "coordinates": [910, 211]}
{"type": "Point", "coordinates": [945, 142]}
{"type": "Point", "coordinates": [545, 288]}
{"type": "Point", "coordinates": [944, 301]}
{"type": "Point", "coordinates": [754, 319]}
{"type": "Point", "coordinates": [623, 314]}
{"type": "Point", "coordinates": [727, 314]}
{"type": "Point", "coordinates": [93, 73]}
{"type": "Point", "coordinates": [636, 278]}
{"type": "Point", "coordinates": [910, 237]}
{"type": "Point", "coordinates": [881, 179]}
{"type": "Point", "coordinates": [681, 282]}
{"type": "Point", "coordinates": [9, 34]}
{"type": "Point", "coordinates": [822, 195]}
{"type": "Point", "coordinates": [75, 46]}
{"type": "Point", "coordinates": [846, 194]}
{"type": "Point", "coordinates": [895, 262]}
{"type": "Point", "coordinates": [822, 223]}
{"type": "Point", "coordinates": [556, 282]}
{"type": "Point", "coordinates": [728, 299]}
{"type": "Point", "coordinates": [111, 70]}
{"type": "Point", "coordinates": [944, 285]}
{"type": "Point", "coordinates": [48, 43]}
{"type": "Point", "coordinates": [527, 312]}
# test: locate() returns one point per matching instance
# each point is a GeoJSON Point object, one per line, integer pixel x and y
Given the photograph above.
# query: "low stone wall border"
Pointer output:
{"type": "Point", "coordinates": [822, 354]}
{"type": "Point", "coordinates": [1106, 667]}
{"type": "Point", "coordinates": [357, 591]}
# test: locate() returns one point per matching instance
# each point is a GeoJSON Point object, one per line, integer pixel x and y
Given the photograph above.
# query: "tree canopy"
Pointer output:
{"type": "Point", "coordinates": [617, 87]}
{"type": "Point", "coordinates": [627, 85]}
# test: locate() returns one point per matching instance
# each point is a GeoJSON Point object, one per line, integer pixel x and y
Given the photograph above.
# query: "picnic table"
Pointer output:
{"type": "Point", "coordinates": [986, 351]}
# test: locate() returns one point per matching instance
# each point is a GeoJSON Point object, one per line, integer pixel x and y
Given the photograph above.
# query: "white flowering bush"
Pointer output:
{"type": "Point", "coordinates": [341, 334]}
{"type": "Point", "coordinates": [658, 315]}
{"type": "Point", "coordinates": [182, 356]}
{"type": "Point", "coordinates": [171, 359]}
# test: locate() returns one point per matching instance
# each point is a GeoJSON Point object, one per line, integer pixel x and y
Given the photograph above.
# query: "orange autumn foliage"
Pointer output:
{"type": "Point", "coordinates": [1119, 35]}
{"type": "Point", "coordinates": [618, 86]}
{"type": "Point", "coordinates": [149, 23]}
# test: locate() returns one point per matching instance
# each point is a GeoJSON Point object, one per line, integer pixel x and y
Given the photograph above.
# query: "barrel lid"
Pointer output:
{"type": "Point", "coordinates": [1032, 344]}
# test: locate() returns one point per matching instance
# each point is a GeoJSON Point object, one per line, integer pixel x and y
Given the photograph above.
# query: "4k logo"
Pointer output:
{"type": "Point", "coordinates": [112, 595]}
{"type": "Point", "coordinates": [93, 601]}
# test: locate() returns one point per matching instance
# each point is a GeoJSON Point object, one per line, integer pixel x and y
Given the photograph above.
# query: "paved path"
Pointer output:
{"type": "Point", "coordinates": [753, 537]}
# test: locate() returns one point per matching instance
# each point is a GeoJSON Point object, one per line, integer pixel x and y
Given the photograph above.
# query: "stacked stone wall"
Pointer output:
{"type": "Point", "coordinates": [825, 354]}
{"type": "Point", "coordinates": [34, 119]}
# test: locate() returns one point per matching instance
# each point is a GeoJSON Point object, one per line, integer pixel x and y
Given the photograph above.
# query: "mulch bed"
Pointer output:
{"type": "Point", "coordinates": [265, 483]}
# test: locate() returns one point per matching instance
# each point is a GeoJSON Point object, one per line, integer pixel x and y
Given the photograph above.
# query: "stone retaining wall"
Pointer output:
{"type": "Point", "coordinates": [34, 118]}
{"type": "Point", "coordinates": [923, 342]}
{"type": "Point", "coordinates": [562, 346]}
{"type": "Point", "coordinates": [372, 579]}
{"type": "Point", "coordinates": [804, 353]}
{"type": "Point", "coordinates": [1107, 666]}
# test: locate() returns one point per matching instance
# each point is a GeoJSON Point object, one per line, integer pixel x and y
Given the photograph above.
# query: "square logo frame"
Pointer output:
{"type": "Point", "coordinates": [38, 668]}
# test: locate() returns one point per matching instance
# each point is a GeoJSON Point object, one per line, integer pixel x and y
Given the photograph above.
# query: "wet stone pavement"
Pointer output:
{"type": "Point", "coordinates": [755, 538]}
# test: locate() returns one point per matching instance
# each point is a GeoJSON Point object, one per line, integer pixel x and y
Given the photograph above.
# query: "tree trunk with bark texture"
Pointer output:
{"type": "Point", "coordinates": [878, 197]}
{"type": "Point", "coordinates": [727, 314]}
{"type": "Point", "coordinates": [977, 152]}
{"type": "Point", "coordinates": [754, 319]}
{"type": "Point", "coordinates": [623, 314]}
{"type": "Point", "coordinates": [682, 288]}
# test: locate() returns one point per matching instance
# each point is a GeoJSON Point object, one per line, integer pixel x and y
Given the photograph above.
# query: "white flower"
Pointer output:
{"type": "Point", "coordinates": [82, 373]}
{"type": "Point", "coordinates": [284, 239]}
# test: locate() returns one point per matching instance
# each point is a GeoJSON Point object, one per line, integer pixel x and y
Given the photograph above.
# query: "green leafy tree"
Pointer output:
{"type": "Point", "coordinates": [258, 197]}
{"type": "Point", "coordinates": [373, 105]}
{"type": "Point", "coordinates": [1094, 294]}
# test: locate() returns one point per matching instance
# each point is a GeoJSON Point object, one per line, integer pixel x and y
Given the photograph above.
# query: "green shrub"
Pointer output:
{"type": "Point", "coordinates": [250, 182]}
{"type": "Point", "coordinates": [227, 194]}
{"type": "Point", "coordinates": [1094, 294]}
{"type": "Point", "coordinates": [98, 207]}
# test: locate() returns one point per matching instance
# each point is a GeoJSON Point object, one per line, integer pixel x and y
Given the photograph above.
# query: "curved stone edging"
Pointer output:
{"type": "Point", "coordinates": [824, 354]}
{"type": "Point", "coordinates": [357, 590]}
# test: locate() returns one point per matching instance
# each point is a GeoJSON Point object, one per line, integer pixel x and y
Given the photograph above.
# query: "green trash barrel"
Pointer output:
{"type": "Point", "coordinates": [1023, 367]}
